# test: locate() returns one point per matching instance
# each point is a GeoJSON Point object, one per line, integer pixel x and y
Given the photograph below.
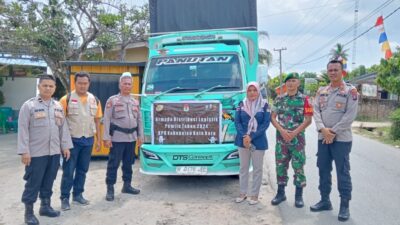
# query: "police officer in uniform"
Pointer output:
{"type": "Point", "coordinates": [291, 115]}
{"type": "Point", "coordinates": [122, 129]}
{"type": "Point", "coordinates": [42, 136]}
{"type": "Point", "coordinates": [83, 114]}
{"type": "Point", "coordinates": [335, 108]}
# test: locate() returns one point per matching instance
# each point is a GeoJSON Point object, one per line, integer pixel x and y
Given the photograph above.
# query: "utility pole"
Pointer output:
{"type": "Point", "coordinates": [353, 63]}
{"type": "Point", "coordinates": [280, 67]}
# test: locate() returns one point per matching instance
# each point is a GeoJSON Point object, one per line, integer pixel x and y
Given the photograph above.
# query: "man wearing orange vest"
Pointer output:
{"type": "Point", "coordinates": [83, 114]}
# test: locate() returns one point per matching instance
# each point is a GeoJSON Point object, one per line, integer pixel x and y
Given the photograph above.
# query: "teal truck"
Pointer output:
{"type": "Point", "coordinates": [192, 84]}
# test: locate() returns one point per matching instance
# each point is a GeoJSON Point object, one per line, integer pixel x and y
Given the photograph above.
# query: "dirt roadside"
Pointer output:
{"type": "Point", "coordinates": [163, 200]}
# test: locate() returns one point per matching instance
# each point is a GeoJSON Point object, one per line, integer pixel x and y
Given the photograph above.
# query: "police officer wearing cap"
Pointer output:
{"type": "Point", "coordinates": [122, 129]}
{"type": "Point", "coordinates": [42, 136]}
{"type": "Point", "coordinates": [335, 108]}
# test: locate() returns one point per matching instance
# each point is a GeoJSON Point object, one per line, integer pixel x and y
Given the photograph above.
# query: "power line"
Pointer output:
{"type": "Point", "coordinates": [353, 60]}
{"type": "Point", "coordinates": [344, 32]}
{"type": "Point", "coordinates": [324, 27]}
{"type": "Point", "coordinates": [297, 27]}
{"type": "Point", "coordinates": [280, 66]}
{"type": "Point", "coordinates": [306, 9]}
{"type": "Point", "coordinates": [371, 27]}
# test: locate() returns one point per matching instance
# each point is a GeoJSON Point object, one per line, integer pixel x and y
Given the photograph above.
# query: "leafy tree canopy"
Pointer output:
{"type": "Point", "coordinates": [57, 31]}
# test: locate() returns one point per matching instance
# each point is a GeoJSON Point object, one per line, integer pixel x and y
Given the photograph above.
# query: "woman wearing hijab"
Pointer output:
{"type": "Point", "coordinates": [251, 120]}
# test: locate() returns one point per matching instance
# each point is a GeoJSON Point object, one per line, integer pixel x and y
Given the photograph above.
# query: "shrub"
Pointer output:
{"type": "Point", "coordinates": [395, 129]}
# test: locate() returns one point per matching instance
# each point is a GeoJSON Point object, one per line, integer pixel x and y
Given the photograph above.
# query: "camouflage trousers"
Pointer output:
{"type": "Point", "coordinates": [283, 154]}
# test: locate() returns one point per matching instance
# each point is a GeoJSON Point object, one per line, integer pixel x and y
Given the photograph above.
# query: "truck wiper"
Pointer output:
{"type": "Point", "coordinates": [174, 89]}
{"type": "Point", "coordinates": [216, 87]}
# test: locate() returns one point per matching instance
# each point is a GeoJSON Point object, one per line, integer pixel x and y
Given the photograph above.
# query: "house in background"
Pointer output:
{"type": "Point", "coordinates": [19, 76]}
{"type": "Point", "coordinates": [375, 102]}
{"type": "Point", "coordinates": [367, 86]}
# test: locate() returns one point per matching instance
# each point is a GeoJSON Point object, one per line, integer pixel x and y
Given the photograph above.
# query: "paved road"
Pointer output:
{"type": "Point", "coordinates": [162, 201]}
{"type": "Point", "coordinates": [375, 170]}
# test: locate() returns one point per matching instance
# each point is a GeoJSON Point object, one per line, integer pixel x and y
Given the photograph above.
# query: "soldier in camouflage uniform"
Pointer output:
{"type": "Point", "coordinates": [291, 114]}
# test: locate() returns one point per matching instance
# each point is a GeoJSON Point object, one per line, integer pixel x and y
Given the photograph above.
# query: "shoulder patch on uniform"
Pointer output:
{"type": "Point", "coordinates": [354, 93]}
{"type": "Point", "coordinates": [109, 103]}
{"type": "Point", "coordinates": [319, 90]}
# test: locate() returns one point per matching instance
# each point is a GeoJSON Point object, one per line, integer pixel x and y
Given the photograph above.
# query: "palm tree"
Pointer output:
{"type": "Point", "coordinates": [339, 52]}
{"type": "Point", "coordinates": [264, 56]}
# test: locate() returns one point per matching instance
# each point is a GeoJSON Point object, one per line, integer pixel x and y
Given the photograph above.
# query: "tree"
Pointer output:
{"type": "Point", "coordinates": [359, 71]}
{"type": "Point", "coordinates": [1, 93]}
{"type": "Point", "coordinates": [61, 30]}
{"type": "Point", "coordinates": [273, 84]}
{"type": "Point", "coordinates": [309, 75]}
{"type": "Point", "coordinates": [128, 26]}
{"type": "Point", "coordinates": [389, 73]}
{"type": "Point", "coordinates": [264, 56]}
{"type": "Point", "coordinates": [339, 52]}
{"type": "Point", "coordinates": [324, 77]}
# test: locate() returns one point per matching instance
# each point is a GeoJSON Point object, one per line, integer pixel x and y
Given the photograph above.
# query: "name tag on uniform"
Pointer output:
{"type": "Point", "coordinates": [39, 115]}
{"type": "Point", "coordinates": [119, 107]}
{"type": "Point", "coordinates": [339, 105]}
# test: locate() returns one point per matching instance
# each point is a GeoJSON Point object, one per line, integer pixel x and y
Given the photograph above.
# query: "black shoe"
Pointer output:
{"type": "Point", "coordinates": [298, 199]}
{"type": "Point", "coordinates": [30, 218]}
{"type": "Point", "coordinates": [278, 199]}
{"type": "Point", "coordinates": [47, 210]}
{"type": "Point", "coordinates": [322, 205]}
{"type": "Point", "coordinates": [344, 211]}
{"type": "Point", "coordinates": [280, 196]}
{"type": "Point", "coordinates": [79, 199]}
{"type": "Point", "coordinates": [110, 193]}
{"type": "Point", "coordinates": [65, 204]}
{"type": "Point", "coordinates": [128, 189]}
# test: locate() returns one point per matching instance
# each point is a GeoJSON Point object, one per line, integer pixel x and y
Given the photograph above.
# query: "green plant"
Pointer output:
{"type": "Point", "coordinates": [1, 93]}
{"type": "Point", "coordinates": [395, 128]}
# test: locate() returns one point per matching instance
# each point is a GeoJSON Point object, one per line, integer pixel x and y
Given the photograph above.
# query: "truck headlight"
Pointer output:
{"type": "Point", "coordinates": [233, 155]}
{"type": "Point", "coordinates": [150, 155]}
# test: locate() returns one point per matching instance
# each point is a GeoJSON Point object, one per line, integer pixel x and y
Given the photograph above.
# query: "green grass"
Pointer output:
{"type": "Point", "coordinates": [381, 134]}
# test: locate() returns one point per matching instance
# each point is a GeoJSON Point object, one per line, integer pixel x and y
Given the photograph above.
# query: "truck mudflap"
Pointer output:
{"type": "Point", "coordinates": [189, 160]}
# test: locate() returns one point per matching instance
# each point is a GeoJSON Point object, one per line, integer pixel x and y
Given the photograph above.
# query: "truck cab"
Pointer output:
{"type": "Point", "coordinates": [192, 84]}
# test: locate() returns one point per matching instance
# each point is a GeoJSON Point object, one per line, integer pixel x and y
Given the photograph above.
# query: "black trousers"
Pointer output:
{"type": "Point", "coordinates": [39, 177]}
{"type": "Point", "coordinates": [339, 152]}
{"type": "Point", "coordinates": [121, 151]}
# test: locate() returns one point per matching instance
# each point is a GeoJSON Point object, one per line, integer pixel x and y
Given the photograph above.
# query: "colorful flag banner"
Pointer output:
{"type": "Point", "coordinates": [344, 71]}
{"type": "Point", "coordinates": [383, 38]}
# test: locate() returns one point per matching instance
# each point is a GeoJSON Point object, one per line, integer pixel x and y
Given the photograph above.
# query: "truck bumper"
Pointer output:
{"type": "Point", "coordinates": [204, 160]}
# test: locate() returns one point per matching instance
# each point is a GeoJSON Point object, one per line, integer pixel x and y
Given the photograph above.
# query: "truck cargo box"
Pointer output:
{"type": "Point", "coordinates": [184, 15]}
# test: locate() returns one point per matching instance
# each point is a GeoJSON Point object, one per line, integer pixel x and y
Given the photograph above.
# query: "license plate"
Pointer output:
{"type": "Point", "coordinates": [191, 170]}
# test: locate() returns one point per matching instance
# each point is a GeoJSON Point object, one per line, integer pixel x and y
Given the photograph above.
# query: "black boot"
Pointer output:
{"type": "Point", "coordinates": [30, 218]}
{"type": "Point", "coordinates": [110, 192]}
{"type": "Point", "coordinates": [344, 212]}
{"type": "Point", "coordinates": [324, 204]}
{"type": "Point", "coordinates": [47, 210]}
{"type": "Point", "coordinates": [280, 196]}
{"type": "Point", "coordinates": [128, 189]}
{"type": "Point", "coordinates": [298, 198]}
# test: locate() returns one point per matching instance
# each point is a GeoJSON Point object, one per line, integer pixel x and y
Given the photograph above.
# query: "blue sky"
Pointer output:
{"type": "Point", "coordinates": [307, 28]}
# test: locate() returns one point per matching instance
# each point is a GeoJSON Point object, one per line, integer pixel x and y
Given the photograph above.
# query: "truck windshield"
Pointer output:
{"type": "Point", "coordinates": [194, 73]}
